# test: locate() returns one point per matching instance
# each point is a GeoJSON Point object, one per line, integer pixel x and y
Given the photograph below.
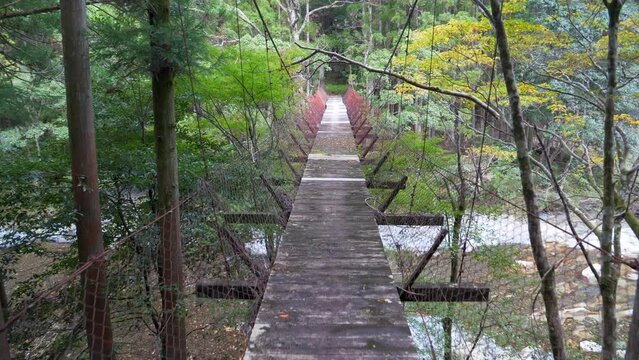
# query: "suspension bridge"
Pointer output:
{"type": "Point", "coordinates": [331, 291]}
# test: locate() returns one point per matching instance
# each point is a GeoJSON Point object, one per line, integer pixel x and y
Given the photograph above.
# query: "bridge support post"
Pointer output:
{"type": "Point", "coordinates": [400, 185]}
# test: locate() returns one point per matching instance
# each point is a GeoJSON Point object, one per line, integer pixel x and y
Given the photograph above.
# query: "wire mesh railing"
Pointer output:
{"type": "Point", "coordinates": [452, 206]}
{"type": "Point", "coordinates": [115, 304]}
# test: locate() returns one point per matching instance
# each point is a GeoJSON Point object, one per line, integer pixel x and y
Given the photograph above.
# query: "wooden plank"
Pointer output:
{"type": "Point", "coordinates": [409, 219]}
{"type": "Point", "coordinates": [242, 290]}
{"type": "Point", "coordinates": [224, 289]}
{"type": "Point", "coordinates": [253, 218]}
{"type": "Point", "coordinates": [445, 293]}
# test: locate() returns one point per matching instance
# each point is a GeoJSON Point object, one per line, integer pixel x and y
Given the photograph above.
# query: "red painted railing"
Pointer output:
{"type": "Point", "coordinates": [313, 115]}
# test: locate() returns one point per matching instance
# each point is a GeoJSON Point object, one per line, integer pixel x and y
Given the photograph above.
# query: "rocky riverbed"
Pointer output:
{"type": "Point", "coordinates": [576, 286]}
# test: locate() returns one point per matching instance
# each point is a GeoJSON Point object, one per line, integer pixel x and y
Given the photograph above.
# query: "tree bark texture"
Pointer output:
{"type": "Point", "coordinates": [632, 349]}
{"type": "Point", "coordinates": [5, 350]}
{"type": "Point", "coordinates": [609, 270]}
{"type": "Point", "coordinates": [170, 262]}
{"type": "Point", "coordinates": [84, 172]}
{"type": "Point", "coordinates": [545, 270]}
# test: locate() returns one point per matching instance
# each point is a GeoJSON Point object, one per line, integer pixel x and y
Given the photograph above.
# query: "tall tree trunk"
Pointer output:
{"type": "Point", "coordinates": [609, 271]}
{"type": "Point", "coordinates": [545, 270]}
{"type": "Point", "coordinates": [84, 174]}
{"type": "Point", "coordinates": [170, 268]}
{"type": "Point", "coordinates": [632, 349]}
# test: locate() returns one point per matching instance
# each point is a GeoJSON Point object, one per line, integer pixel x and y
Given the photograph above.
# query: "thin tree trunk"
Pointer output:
{"type": "Point", "coordinates": [5, 350]}
{"type": "Point", "coordinates": [632, 349]}
{"type": "Point", "coordinates": [370, 44]}
{"type": "Point", "coordinates": [545, 270]}
{"type": "Point", "coordinates": [456, 235]}
{"type": "Point", "coordinates": [308, 40]}
{"type": "Point", "coordinates": [170, 266]}
{"type": "Point", "coordinates": [609, 271]}
{"type": "Point", "coordinates": [4, 300]}
{"type": "Point", "coordinates": [84, 173]}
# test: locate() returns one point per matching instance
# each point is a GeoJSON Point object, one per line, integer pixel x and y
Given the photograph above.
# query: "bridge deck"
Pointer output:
{"type": "Point", "coordinates": [331, 293]}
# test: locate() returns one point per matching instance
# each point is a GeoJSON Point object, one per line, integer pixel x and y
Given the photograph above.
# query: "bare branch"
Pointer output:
{"type": "Point", "coordinates": [334, 4]}
{"type": "Point", "coordinates": [308, 15]}
{"type": "Point", "coordinates": [245, 18]}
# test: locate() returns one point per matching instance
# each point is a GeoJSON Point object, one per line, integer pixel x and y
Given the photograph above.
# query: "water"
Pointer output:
{"type": "Point", "coordinates": [10, 237]}
{"type": "Point", "coordinates": [428, 334]}
{"type": "Point", "coordinates": [502, 230]}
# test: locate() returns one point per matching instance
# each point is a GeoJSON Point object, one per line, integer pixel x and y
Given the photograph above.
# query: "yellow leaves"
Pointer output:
{"type": "Point", "coordinates": [525, 36]}
{"type": "Point", "coordinates": [627, 119]}
{"type": "Point", "coordinates": [454, 31]}
{"type": "Point", "coordinates": [407, 90]}
{"type": "Point", "coordinates": [629, 39]}
{"type": "Point", "coordinates": [514, 6]}
{"type": "Point", "coordinates": [572, 121]}
{"type": "Point", "coordinates": [462, 56]}
{"type": "Point", "coordinates": [532, 95]}
{"type": "Point", "coordinates": [495, 152]}
{"type": "Point", "coordinates": [596, 158]}
{"type": "Point", "coordinates": [557, 108]}
{"type": "Point", "coordinates": [568, 64]}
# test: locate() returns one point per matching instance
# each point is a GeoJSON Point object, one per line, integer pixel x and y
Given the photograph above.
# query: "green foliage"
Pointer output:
{"type": "Point", "coordinates": [336, 89]}
{"type": "Point", "coordinates": [235, 79]}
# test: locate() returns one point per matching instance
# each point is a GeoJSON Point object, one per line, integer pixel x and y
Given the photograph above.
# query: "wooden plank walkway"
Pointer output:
{"type": "Point", "coordinates": [331, 293]}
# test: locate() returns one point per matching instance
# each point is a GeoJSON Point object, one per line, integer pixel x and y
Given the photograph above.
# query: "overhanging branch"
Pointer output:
{"type": "Point", "coordinates": [460, 94]}
{"type": "Point", "coordinates": [44, 10]}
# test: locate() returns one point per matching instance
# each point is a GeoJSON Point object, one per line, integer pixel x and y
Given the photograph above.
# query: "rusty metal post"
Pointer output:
{"type": "Point", "coordinates": [425, 259]}
{"type": "Point", "coordinates": [359, 142]}
{"type": "Point", "coordinates": [379, 165]}
{"type": "Point", "coordinates": [369, 147]}
{"type": "Point", "coordinates": [298, 177]}
{"type": "Point", "coordinates": [281, 201]}
{"type": "Point", "coordinates": [400, 185]}
{"type": "Point", "coordinates": [299, 146]}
